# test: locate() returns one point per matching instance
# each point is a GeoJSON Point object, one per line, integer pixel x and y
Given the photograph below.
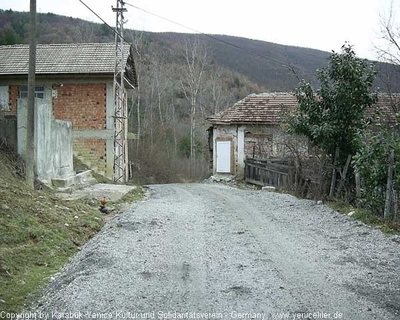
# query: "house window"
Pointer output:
{"type": "Point", "coordinates": [39, 92]}
{"type": "Point", "coordinates": [4, 98]}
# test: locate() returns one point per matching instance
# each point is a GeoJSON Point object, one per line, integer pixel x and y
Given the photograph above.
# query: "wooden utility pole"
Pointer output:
{"type": "Point", "coordinates": [30, 154]}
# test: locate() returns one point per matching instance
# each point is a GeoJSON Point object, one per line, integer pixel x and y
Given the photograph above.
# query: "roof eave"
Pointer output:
{"type": "Point", "coordinates": [227, 123]}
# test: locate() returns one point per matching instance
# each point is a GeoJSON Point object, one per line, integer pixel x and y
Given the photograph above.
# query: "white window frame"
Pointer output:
{"type": "Point", "coordinates": [40, 92]}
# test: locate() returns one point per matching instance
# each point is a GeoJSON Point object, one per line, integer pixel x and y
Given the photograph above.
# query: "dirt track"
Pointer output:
{"type": "Point", "coordinates": [208, 248]}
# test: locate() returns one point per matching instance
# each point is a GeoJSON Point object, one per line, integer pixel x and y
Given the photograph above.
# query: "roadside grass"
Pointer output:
{"type": "Point", "coordinates": [39, 233]}
{"type": "Point", "coordinates": [360, 214]}
{"type": "Point", "coordinates": [366, 216]}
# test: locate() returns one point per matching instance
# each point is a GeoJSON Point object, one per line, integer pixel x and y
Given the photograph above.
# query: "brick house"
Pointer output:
{"type": "Point", "coordinates": [77, 81]}
{"type": "Point", "coordinates": [252, 128]}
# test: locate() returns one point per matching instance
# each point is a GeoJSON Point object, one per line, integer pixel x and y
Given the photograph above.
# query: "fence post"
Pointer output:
{"type": "Point", "coordinates": [358, 184]}
{"type": "Point", "coordinates": [333, 181]}
{"type": "Point", "coordinates": [389, 186]}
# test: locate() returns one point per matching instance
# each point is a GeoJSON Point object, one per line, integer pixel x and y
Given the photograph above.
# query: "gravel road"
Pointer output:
{"type": "Point", "coordinates": [210, 250]}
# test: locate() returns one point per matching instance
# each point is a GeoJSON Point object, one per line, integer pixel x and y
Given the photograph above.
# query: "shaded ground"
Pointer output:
{"type": "Point", "coordinates": [212, 248]}
{"type": "Point", "coordinates": [38, 234]}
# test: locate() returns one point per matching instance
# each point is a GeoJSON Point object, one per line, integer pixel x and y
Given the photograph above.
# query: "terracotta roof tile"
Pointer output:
{"type": "Point", "coordinates": [263, 108]}
{"type": "Point", "coordinates": [267, 108]}
{"type": "Point", "coordinates": [76, 58]}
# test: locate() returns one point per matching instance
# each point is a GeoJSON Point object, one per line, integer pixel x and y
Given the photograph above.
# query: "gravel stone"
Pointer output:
{"type": "Point", "coordinates": [215, 248]}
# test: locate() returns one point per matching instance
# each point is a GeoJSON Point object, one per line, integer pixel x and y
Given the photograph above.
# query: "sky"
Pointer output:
{"type": "Point", "coordinates": [317, 24]}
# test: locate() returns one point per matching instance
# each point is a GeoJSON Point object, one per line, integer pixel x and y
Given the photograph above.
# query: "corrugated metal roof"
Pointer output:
{"type": "Point", "coordinates": [81, 58]}
{"type": "Point", "coordinates": [267, 108]}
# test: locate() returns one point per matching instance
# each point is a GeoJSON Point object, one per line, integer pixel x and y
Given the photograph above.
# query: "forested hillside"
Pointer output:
{"type": "Point", "coordinates": [183, 78]}
{"type": "Point", "coordinates": [262, 62]}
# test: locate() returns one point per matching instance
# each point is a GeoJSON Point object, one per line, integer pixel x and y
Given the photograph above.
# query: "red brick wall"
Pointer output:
{"type": "Point", "coordinates": [13, 97]}
{"type": "Point", "coordinates": [93, 151]}
{"type": "Point", "coordinates": [82, 104]}
{"type": "Point", "coordinates": [85, 106]}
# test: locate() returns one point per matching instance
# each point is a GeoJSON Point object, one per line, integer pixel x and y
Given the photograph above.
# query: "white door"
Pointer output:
{"type": "Point", "coordinates": [224, 156]}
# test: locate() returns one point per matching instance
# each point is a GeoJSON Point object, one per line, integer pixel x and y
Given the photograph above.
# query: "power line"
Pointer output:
{"type": "Point", "coordinates": [209, 36]}
{"type": "Point", "coordinates": [192, 29]}
{"type": "Point", "coordinates": [113, 29]}
{"type": "Point", "coordinates": [197, 31]}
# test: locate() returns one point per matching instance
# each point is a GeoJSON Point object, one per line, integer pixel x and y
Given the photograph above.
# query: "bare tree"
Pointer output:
{"type": "Point", "coordinates": [195, 55]}
{"type": "Point", "coordinates": [85, 32]}
{"type": "Point", "coordinates": [160, 83]}
{"type": "Point", "coordinates": [388, 51]}
{"type": "Point", "coordinates": [137, 43]}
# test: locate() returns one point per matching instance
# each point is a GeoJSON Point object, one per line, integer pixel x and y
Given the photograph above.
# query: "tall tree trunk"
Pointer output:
{"type": "Point", "coordinates": [343, 176]}
{"type": "Point", "coordinates": [174, 123]}
{"type": "Point", "coordinates": [193, 132]}
{"type": "Point", "coordinates": [138, 121]}
{"type": "Point", "coordinates": [151, 124]}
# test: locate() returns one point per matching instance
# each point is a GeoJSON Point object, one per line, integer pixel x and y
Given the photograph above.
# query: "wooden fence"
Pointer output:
{"type": "Point", "coordinates": [312, 180]}
{"type": "Point", "coordinates": [274, 172]}
{"type": "Point", "coordinates": [282, 173]}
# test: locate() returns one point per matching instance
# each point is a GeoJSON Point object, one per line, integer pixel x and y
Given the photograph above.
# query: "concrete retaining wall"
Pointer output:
{"type": "Point", "coordinates": [53, 141]}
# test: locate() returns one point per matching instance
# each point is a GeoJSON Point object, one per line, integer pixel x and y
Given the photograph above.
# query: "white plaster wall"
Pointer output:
{"type": "Point", "coordinates": [110, 126]}
{"type": "Point", "coordinates": [240, 152]}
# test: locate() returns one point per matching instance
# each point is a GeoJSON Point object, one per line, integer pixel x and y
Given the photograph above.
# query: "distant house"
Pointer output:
{"type": "Point", "coordinates": [252, 128]}
{"type": "Point", "coordinates": [77, 81]}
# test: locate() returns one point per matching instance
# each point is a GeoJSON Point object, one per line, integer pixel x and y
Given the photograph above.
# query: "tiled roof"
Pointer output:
{"type": "Point", "coordinates": [264, 108]}
{"type": "Point", "coordinates": [386, 106]}
{"type": "Point", "coordinates": [77, 58]}
{"type": "Point", "coordinates": [267, 108]}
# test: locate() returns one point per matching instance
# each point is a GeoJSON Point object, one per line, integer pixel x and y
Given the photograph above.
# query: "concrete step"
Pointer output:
{"type": "Point", "coordinates": [79, 181]}
{"type": "Point", "coordinates": [85, 178]}
{"type": "Point", "coordinates": [63, 182]}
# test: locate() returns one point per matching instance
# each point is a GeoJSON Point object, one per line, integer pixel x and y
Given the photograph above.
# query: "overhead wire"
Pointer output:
{"type": "Point", "coordinates": [113, 29]}
{"type": "Point", "coordinates": [192, 29]}
{"type": "Point", "coordinates": [209, 36]}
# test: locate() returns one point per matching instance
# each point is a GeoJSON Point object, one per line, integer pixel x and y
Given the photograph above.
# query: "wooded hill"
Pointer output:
{"type": "Point", "coordinates": [268, 65]}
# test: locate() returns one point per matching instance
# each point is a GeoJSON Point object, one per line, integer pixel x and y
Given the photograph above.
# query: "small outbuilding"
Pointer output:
{"type": "Point", "coordinates": [250, 128]}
